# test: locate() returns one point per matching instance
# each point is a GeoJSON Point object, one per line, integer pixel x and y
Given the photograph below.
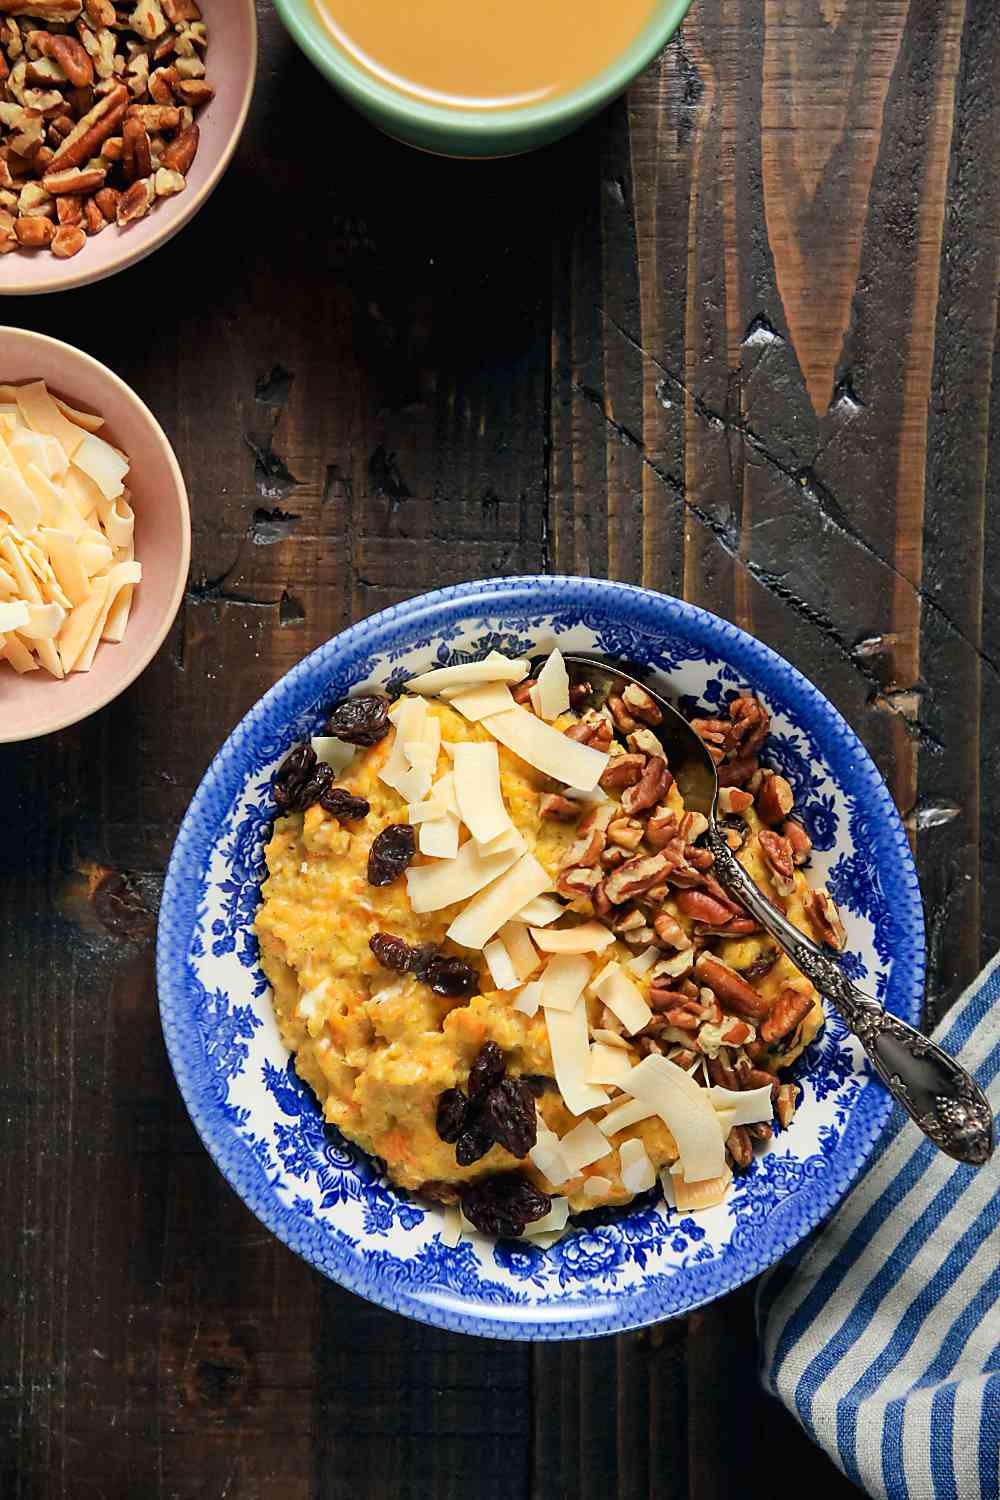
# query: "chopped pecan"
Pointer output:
{"type": "Point", "coordinates": [161, 91]}
{"type": "Point", "coordinates": [99, 12]}
{"type": "Point", "coordinates": [662, 827]}
{"type": "Point", "coordinates": [762, 965]}
{"type": "Point", "coordinates": [721, 1074]}
{"type": "Point", "coordinates": [798, 838]}
{"type": "Point", "coordinates": [68, 211]}
{"type": "Point", "coordinates": [34, 231]}
{"type": "Point", "coordinates": [692, 826]}
{"type": "Point", "coordinates": [758, 1078]}
{"type": "Point", "coordinates": [599, 897]}
{"type": "Point", "coordinates": [791, 1007]}
{"type": "Point", "coordinates": [825, 919]}
{"type": "Point", "coordinates": [647, 1046]}
{"type": "Point", "coordinates": [731, 988]}
{"type": "Point", "coordinates": [740, 1148]}
{"type": "Point", "coordinates": [778, 856]}
{"type": "Point", "coordinates": [67, 52]}
{"type": "Point", "coordinates": [641, 704]}
{"type": "Point", "coordinates": [751, 723]}
{"type": "Point", "coordinates": [623, 719]}
{"type": "Point", "coordinates": [644, 741]}
{"type": "Point", "coordinates": [736, 1033]}
{"type": "Point", "coordinates": [107, 201]}
{"type": "Point", "coordinates": [135, 202]}
{"type": "Point", "coordinates": [48, 10]}
{"type": "Point", "coordinates": [154, 117]}
{"type": "Point", "coordinates": [699, 859]}
{"type": "Point", "coordinates": [626, 833]}
{"type": "Point", "coordinates": [629, 921]}
{"type": "Point", "coordinates": [737, 772]}
{"type": "Point", "coordinates": [716, 733]}
{"type": "Point", "coordinates": [669, 931]}
{"type": "Point", "coordinates": [759, 1131]}
{"type": "Point", "coordinates": [195, 91]}
{"type": "Point", "coordinates": [775, 800]}
{"type": "Point", "coordinates": [69, 239]}
{"type": "Point", "coordinates": [578, 882]}
{"type": "Point", "coordinates": [663, 998]}
{"type": "Point", "coordinates": [560, 808]}
{"type": "Point", "coordinates": [136, 159]}
{"type": "Point", "coordinates": [785, 1104]}
{"type": "Point", "coordinates": [87, 134]}
{"type": "Point", "coordinates": [522, 692]}
{"type": "Point", "coordinates": [652, 786]}
{"type": "Point", "coordinates": [623, 771]}
{"type": "Point", "coordinates": [639, 937]}
{"type": "Point", "coordinates": [178, 11]}
{"type": "Point", "coordinates": [733, 800]}
{"type": "Point", "coordinates": [74, 180]}
{"type": "Point", "coordinates": [613, 856]}
{"type": "Point", "coordinates": [635, 876]}
{"type": "Point", "coordinates": [93, 220]}
{"type": "Point", "coordinates": [684, 1058]}
{"type": "Point", "coordinates": [701, 907]}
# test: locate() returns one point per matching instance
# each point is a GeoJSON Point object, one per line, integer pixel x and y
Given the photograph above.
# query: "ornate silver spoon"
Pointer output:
{"type": "Point", "coordinates": [938, 1094]}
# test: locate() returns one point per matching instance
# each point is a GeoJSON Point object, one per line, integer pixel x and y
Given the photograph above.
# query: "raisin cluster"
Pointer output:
{"type": "Point", "coordinates": [504, 1204]}
{"type": "Point", "coordinates": [498, 1110]}
{"type": "Point", "coordinates": [391, 852]}
{"type": "Point", "coordinates": [301, 780]}
{"type": "Point", "coordinates": [451, 978]}
{"type": "Point", "coordinates": [360, 721]}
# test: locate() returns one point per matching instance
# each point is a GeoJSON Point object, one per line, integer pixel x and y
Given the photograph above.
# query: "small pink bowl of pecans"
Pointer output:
{"type": "Point", "coordinates": [116, 122]}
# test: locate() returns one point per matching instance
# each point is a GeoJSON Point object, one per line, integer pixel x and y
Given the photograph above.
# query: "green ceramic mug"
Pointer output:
{"type": "Point", "coordinates": [468, 132]}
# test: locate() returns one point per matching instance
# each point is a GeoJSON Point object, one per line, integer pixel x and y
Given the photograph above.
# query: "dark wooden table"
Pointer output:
{"type": "Point", "coordinates": [733, 341]}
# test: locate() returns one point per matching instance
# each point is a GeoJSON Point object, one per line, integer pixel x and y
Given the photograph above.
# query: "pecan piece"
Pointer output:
{"type": "Point", "coordinates": [74, 180]}
{"type": "Point", "coordinates": [69, 239]}
{"type": "Point", "coordinates": [669, 931]}
{"type": "Point", "coordinates": [68, 211]}
{"type": "Point", "coordinates": [107, 201]}
{"type": "Point", "coordinates": [67, 52]}
{"type": "Point", "coordinates": [733, 800]}
{"type": "Point", "coordinates": [97, 124]}
{"type": "Point", "coordinates": [641, 705]}
{"type": "Point", "coordinates": [737, 772]}
{"type": "Point", "coordinates": [623, 771]}
{"type": "Point", "coordinates": [751, 723]}
{"type": "Point", "coordinates": [786, 1104]}
{"type": "Point", "coordinates": [730, 988]}
{"type": "Point", "coordinates": [623, 719]}
{"type": "Point", "coordinates": [777, 852]}
{"type": "Point", "coordinates": [651, 788]}
{"type": "Point", "coordinates": [722, 1075]}
{"type": "Point", "coordinates": [635, 876]}
{"type": "Point", "coordinates": [740, 1147]}
{"type": "Point", "coordinates": [34, 231]}
{"type": "Point", "coordinates": [775, 800]}
{"type": "Point", "coordinates": [791, 1007]}
{"type": "Point", "coordinates": [154, 117]}
{"type": "Point", "coordinates": [798, 838]}
{"type": "Point", "coordinates": [578, 882]}
{"type": "Point", "coordinates": [663, 999]}
{"type": "Point", "coordinates": [93, 220]}
{"type": "Point", "coordinates": [825, 919]}
{"type": "Point", "coordinates": [701, 907]}
{"type": "Point", "coordinates": [625, 833]}
{"type": "Point", "coordinates": [135, 202]}
{"type": "Point", "coordinates": [560, 808]}
{"type": "Point", "coordinates": [136, 158]}
{"type": "Point", "coordinates": [661, 827]}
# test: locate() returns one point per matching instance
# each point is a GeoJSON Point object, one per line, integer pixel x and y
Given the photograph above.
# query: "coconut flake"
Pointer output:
{"type": "Point", "coordinates": [438, 837]}
{"type": "Point", "coordinates": [689, 1197]}
{"type": "Point", "coordinates": [425, 812]}
{"type": "Point", "coordinates": [502, 971]}
{"type": "Point", "coordinates": [546, 748]}
{"type": "Point", "coordinates": [643, 961]}
{"type": "Point", "coordinates": [541, 912]}
{"type": "Point", "coordinates": [687, 1113]}
{"type": "Point", "coordinates": [637, 1171]}
{"type": "Point", "coordinates": [451, 1229]}
{"type": "Point", "coordinates": [553, 687]}
{"type": "Point", "coordinates": [563, 981]}
{"type": "Point", "coordinates": [495, 668]}
{"type": "Point", "coordinates": [597, 1187]}
{"type": "Point", "coordinates": [530, 998]}
{"type": "Point", "coordinates": [477, 702]}
{"type": "Point", "coordinates": [553, 1221]}
{"type": "Point", "coordinates": [588, 937]}
{"type": "Point", "coordinates": [754, 1107]}
{"type": "Point", "coordinates": [477, 789]}
{"type": "Point", "coordinates": [609, 1065]}
{"type": "Point", "coordinates": [431, 887]}
{"type": "Point", "coordinates": [546, 1155]}
{"type": "Point", "coordinates": [333, 752]}
{"type": "Point", "coordinates": [619, 994]}
{"type": "Point", "coordinates": [629, 1112]}
{"type": "Point", "coordinates": [582, 1145]}
{"type": "Point", "coordinates": [514, 936]}
{"type": "Point", "coordinates": [570, 1048]}
{"type": "Point", "coordinates": [488, 912]}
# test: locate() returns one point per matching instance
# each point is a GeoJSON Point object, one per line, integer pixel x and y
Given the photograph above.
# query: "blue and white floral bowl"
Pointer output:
{"type": "Point", "coordinates": [320, 1194]}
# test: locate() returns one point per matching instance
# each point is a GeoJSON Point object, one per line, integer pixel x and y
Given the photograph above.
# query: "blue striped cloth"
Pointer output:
{"type": "Point", "coordinates": [881, 1334]}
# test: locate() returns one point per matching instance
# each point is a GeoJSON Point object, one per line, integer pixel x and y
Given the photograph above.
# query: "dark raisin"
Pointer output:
{"type": "Point", "coordinates": [509, 1115]}
{"type": "Point", "coordinates": [392, 952]}
{"type": "Point", "coordinates": [538, 1083]}
{"type": "Point", "coordinates": [452, 1113]}
{"type": "Point", "coordinates": [360, 721]}
{"type": "Point", "coordinates": [390, 853]}
{"type": "Point", "coordinates": [472, 1144]}
{"type": "Point", "coordinates": [291, 777]}
{"type": "Point", "coordinates": [487, 1070]}
{"type": "Point", "coordinates": [762, 965]}
{"type": "Point", "coordinates": [502, 1205]}
{"type": "Point", "coordinates": [340, 803]}
{"type": "Point", "coordinates": [452, 978]}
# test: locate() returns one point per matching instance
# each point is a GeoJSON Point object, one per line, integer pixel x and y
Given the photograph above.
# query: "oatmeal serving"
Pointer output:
{"type": "Point", "coordinates": [501, 959]}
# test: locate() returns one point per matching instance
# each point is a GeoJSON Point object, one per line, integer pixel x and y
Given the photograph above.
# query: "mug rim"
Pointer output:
{"type": "Point", "coordinates": [402, 112]}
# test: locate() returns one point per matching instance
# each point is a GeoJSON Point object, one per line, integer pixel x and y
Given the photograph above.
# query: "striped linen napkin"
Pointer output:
{"type": "Point", "coordinates": [881, 1334]}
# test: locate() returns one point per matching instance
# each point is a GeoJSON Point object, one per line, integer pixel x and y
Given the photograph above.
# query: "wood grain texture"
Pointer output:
{"type": "Point", "coordinates": [735, 340]}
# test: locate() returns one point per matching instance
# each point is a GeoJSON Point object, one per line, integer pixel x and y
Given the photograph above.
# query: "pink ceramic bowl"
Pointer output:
{"type": "Point", "coordinates": [37, 703]}
{"type": "Point", "coordinates": [231, 62]}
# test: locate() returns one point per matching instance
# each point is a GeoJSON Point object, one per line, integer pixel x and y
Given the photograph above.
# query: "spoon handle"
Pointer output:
{"type": "Point", "coordinates": [936, 1091]}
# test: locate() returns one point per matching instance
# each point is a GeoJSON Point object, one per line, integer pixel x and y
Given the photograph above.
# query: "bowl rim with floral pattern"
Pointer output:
{"type": "Point", "coordinates": [322, 1196]}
